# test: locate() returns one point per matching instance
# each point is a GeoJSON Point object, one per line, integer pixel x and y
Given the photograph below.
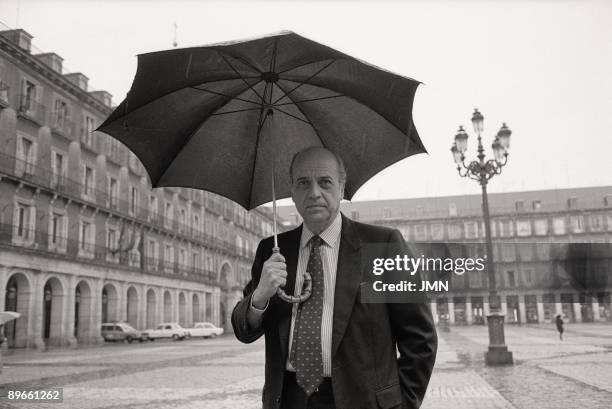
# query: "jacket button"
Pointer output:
{"type": "Point", "coordinates": [278, 400]}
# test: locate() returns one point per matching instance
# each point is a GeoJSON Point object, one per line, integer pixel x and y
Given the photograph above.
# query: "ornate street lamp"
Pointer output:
{"type": "Point", "coordinates": [482, 170]}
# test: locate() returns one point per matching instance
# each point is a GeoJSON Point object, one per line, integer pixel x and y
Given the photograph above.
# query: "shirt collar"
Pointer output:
{"type": "Point", "coordinates": [329, 236]}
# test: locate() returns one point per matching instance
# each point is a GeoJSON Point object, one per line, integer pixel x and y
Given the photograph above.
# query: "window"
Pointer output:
{"type": "Point", "coordinates": [58, 231]}
{"type": "Point", "coordinates": [113, 193]}
{"type": "Point", "coordinates": [541, 227]}
{"type": "Point", "coordinates": [572, 203]}
{"type": "Point", "coordinates": [133, 162]}
{"type": "Point", "coordinates": [86, 238]}
{"type": "Point", "coordinates": [528, 277]}
{"type": "Point", "coordinates": [386, 213]}
{"type": "Point", "coordinates": [454, 232]}
{"type": "Point", "coordinates": [61, 115]}
{"type": "Point", "coordinates": [471, 230]}
{"type": "Point", "coordinates": [182, 218]}
{"type": "Point", "coordinates": [168, 256]}
{"type": "Point", "coordinates": [577, 224]}
{"type": "Point", "coordinates": [58, 169]}
{"type": "Point", "coordinates": [420, 232]}
{"type": "Point", "coordinates": [596, 223]}
{"type": "Point", "coordinates": [437, 231]}
{"type": "Point", "coordinates": [195, 260]}
{"type": "Point", "coordinates": [29, 97]}
{"type": "Point", "coordinates": [609, 222]}
{"type": "Point", "coordinates": [452, 210]}
{"type": "Point", "coordinates": [511, 280]}
{"type": "Point", "coordinates": [182, 257]}
{"type": "Point", "coordinates": [519, 206]}
{"type": "Point", "coordinates": [113, 149]}
{"type": "Point", "coordinates": [153, 206]}
{"type": "Point", "coordinates": [152, 253]}
{"type": "Point", "coordinates": [355, 215]}
{"type": "Point", "coordinates": [508, 252]}
{"type": "Point", "coordinates": [168, 212]}
{"type": "Point", "coordinates": [24, 223]}
{"type": "Point", "coordinates": [506, 228]}
{"type": "Point", "coordinates": [87, 137]}
{"type": "Point", "coordinates": [134, 201]}
{"type": "Point", "coordinates": [196, 222]}
{"type": "Point", "coordinates": [559, 225]}
{"type": "Point", "coordinates": [26, 156]}
{"type": "Point", "coordinates": [88, 182]}
{"type": "Point", "coordinates": [608, 200]}
{"type": "Point", "coordinates": [112, 244]}
{"type": "Point", "coordinates": [523, 228]}
{"type": "Point", "coordinates": [536, 205]}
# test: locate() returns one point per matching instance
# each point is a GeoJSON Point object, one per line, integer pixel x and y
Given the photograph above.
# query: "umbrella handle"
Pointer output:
{"type": "Point", "coordinates": [306, 288]}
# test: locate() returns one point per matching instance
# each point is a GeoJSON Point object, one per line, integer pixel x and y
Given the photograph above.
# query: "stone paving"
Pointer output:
{"type": "Point", "coordinates": [222, 373]}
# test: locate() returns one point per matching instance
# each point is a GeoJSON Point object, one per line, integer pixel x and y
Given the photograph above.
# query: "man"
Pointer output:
{"type": "Point", "coordinates": [333, 351]}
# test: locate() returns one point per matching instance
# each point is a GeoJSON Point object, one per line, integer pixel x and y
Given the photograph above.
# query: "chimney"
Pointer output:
{"type": "Point", "coordinates": [102, 96]}
{"type": "Point", "coordinates": [19, 37]}
{"type": "Point", "coordinates": [78, 79]}
{"type": "Point", "coordinates": [51, 60]}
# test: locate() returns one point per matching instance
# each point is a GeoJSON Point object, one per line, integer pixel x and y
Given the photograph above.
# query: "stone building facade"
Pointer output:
{"type": "Point", "coordinates": [83, 237]}
{"type": "Point", "coordinates": [529, 229]}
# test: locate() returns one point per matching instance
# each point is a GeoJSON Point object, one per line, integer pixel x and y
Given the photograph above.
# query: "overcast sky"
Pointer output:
{"type": "Point", "coordinates": [543, 67]}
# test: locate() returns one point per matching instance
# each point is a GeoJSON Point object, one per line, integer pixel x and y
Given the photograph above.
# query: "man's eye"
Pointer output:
{"type": "Point", "coordinates": [325, 182]}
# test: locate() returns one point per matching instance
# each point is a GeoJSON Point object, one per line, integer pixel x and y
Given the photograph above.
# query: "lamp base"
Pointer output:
{"type": "Point", "coordinates": [498, 355]}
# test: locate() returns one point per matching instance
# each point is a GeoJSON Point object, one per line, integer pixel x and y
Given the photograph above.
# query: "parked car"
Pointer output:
{"type": "Point", "coordinates": [205, 329]}
{"type": "Point", "coordinates": [168, 330]}
{"type": "Point", "coordinates": [122, 331]}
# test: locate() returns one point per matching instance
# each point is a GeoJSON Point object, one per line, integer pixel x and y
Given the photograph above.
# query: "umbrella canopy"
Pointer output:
{"type": "Point", "coordinates": [6, 316]}
{"type": "Point", "coordinates": [226, 117]}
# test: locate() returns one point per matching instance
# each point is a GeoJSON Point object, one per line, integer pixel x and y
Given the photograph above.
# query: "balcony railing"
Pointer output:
{"type": "Point", "coordinates": [4, 94]}
{"type": "Point", "coordinates": [46, 178]}
{"type": "Point", "coordinates": [62, 126]}
{"type": "Point", "coordinates": [37, 241]}
{"type": "Point", "coordinates": [32, 109]}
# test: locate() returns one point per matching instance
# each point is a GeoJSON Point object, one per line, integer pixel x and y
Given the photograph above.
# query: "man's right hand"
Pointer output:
{"type": "Point", "coordinates": [273, 276]}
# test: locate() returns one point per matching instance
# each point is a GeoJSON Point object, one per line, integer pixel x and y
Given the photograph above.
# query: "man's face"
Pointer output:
{"type": "Point", "coordinates": [316, 189]}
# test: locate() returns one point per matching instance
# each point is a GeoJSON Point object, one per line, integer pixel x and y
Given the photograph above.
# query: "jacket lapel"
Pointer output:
{"type": "Point", "coordinates": [290, 249]}
{"type": "Point", "coordinates": [348, 278]}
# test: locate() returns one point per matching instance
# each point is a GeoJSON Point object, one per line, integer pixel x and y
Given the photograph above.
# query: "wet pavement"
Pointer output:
{"type": "Point", "coordinates": [222, 373]}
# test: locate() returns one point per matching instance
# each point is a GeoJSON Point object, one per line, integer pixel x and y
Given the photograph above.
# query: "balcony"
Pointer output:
{"type": "Point", "coordinates": [31, 109]}
{"type": "Point", "coordinates": [37, 242]}
{"type": "Point", "coordinates": [80, 193]}
{"type": "Point", "coordinates": [4, 95]}
{"type": "Point", "coordinates": [62, 126]}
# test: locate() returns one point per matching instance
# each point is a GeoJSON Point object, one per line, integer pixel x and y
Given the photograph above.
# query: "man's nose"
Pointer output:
{"type": "Point", "coordinates": [314, 191]}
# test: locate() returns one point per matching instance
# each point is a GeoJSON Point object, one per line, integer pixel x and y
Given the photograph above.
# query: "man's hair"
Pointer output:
{"type": "Point", "coordinates": [339, 162]}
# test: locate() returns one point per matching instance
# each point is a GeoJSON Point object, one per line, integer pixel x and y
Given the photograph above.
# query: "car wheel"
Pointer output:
{"type": "Point", "coordinates": [129, 339]}
{"type": "Point", "coordinates": [175, 337]}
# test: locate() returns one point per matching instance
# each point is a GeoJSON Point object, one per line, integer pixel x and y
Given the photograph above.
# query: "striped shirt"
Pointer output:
{"type": "Point", "coordinates": [329, 255]}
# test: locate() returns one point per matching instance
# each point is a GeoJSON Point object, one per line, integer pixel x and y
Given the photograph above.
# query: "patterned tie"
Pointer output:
{"type": "Point", "coordinates": [306, 355]}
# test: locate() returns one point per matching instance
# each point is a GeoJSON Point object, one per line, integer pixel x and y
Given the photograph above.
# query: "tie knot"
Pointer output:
{"type": "Point", "coordinates": [316, 241]}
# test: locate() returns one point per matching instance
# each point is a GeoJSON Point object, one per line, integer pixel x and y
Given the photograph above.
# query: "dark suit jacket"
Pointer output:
{"type": "Point", "coordinates": [366, 370]}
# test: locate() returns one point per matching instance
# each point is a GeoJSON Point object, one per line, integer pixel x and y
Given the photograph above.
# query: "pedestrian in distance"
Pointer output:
{"type": "Point", "coordinates": [559, 322]}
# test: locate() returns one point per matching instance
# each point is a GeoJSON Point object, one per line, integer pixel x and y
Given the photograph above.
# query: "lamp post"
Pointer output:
{"type": "Point", "coordinates": [482, 171]}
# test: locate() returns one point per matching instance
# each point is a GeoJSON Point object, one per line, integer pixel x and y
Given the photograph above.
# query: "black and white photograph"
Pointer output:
{"type": "Point", "coordinates": [309, 204]}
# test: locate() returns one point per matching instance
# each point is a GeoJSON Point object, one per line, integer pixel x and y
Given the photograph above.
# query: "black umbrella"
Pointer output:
{"type": "Point", "coordinates": [228, 118]}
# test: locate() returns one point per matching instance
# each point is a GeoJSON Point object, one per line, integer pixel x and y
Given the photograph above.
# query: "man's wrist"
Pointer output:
{"type": "Point", "coordinates": [259, 301]}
